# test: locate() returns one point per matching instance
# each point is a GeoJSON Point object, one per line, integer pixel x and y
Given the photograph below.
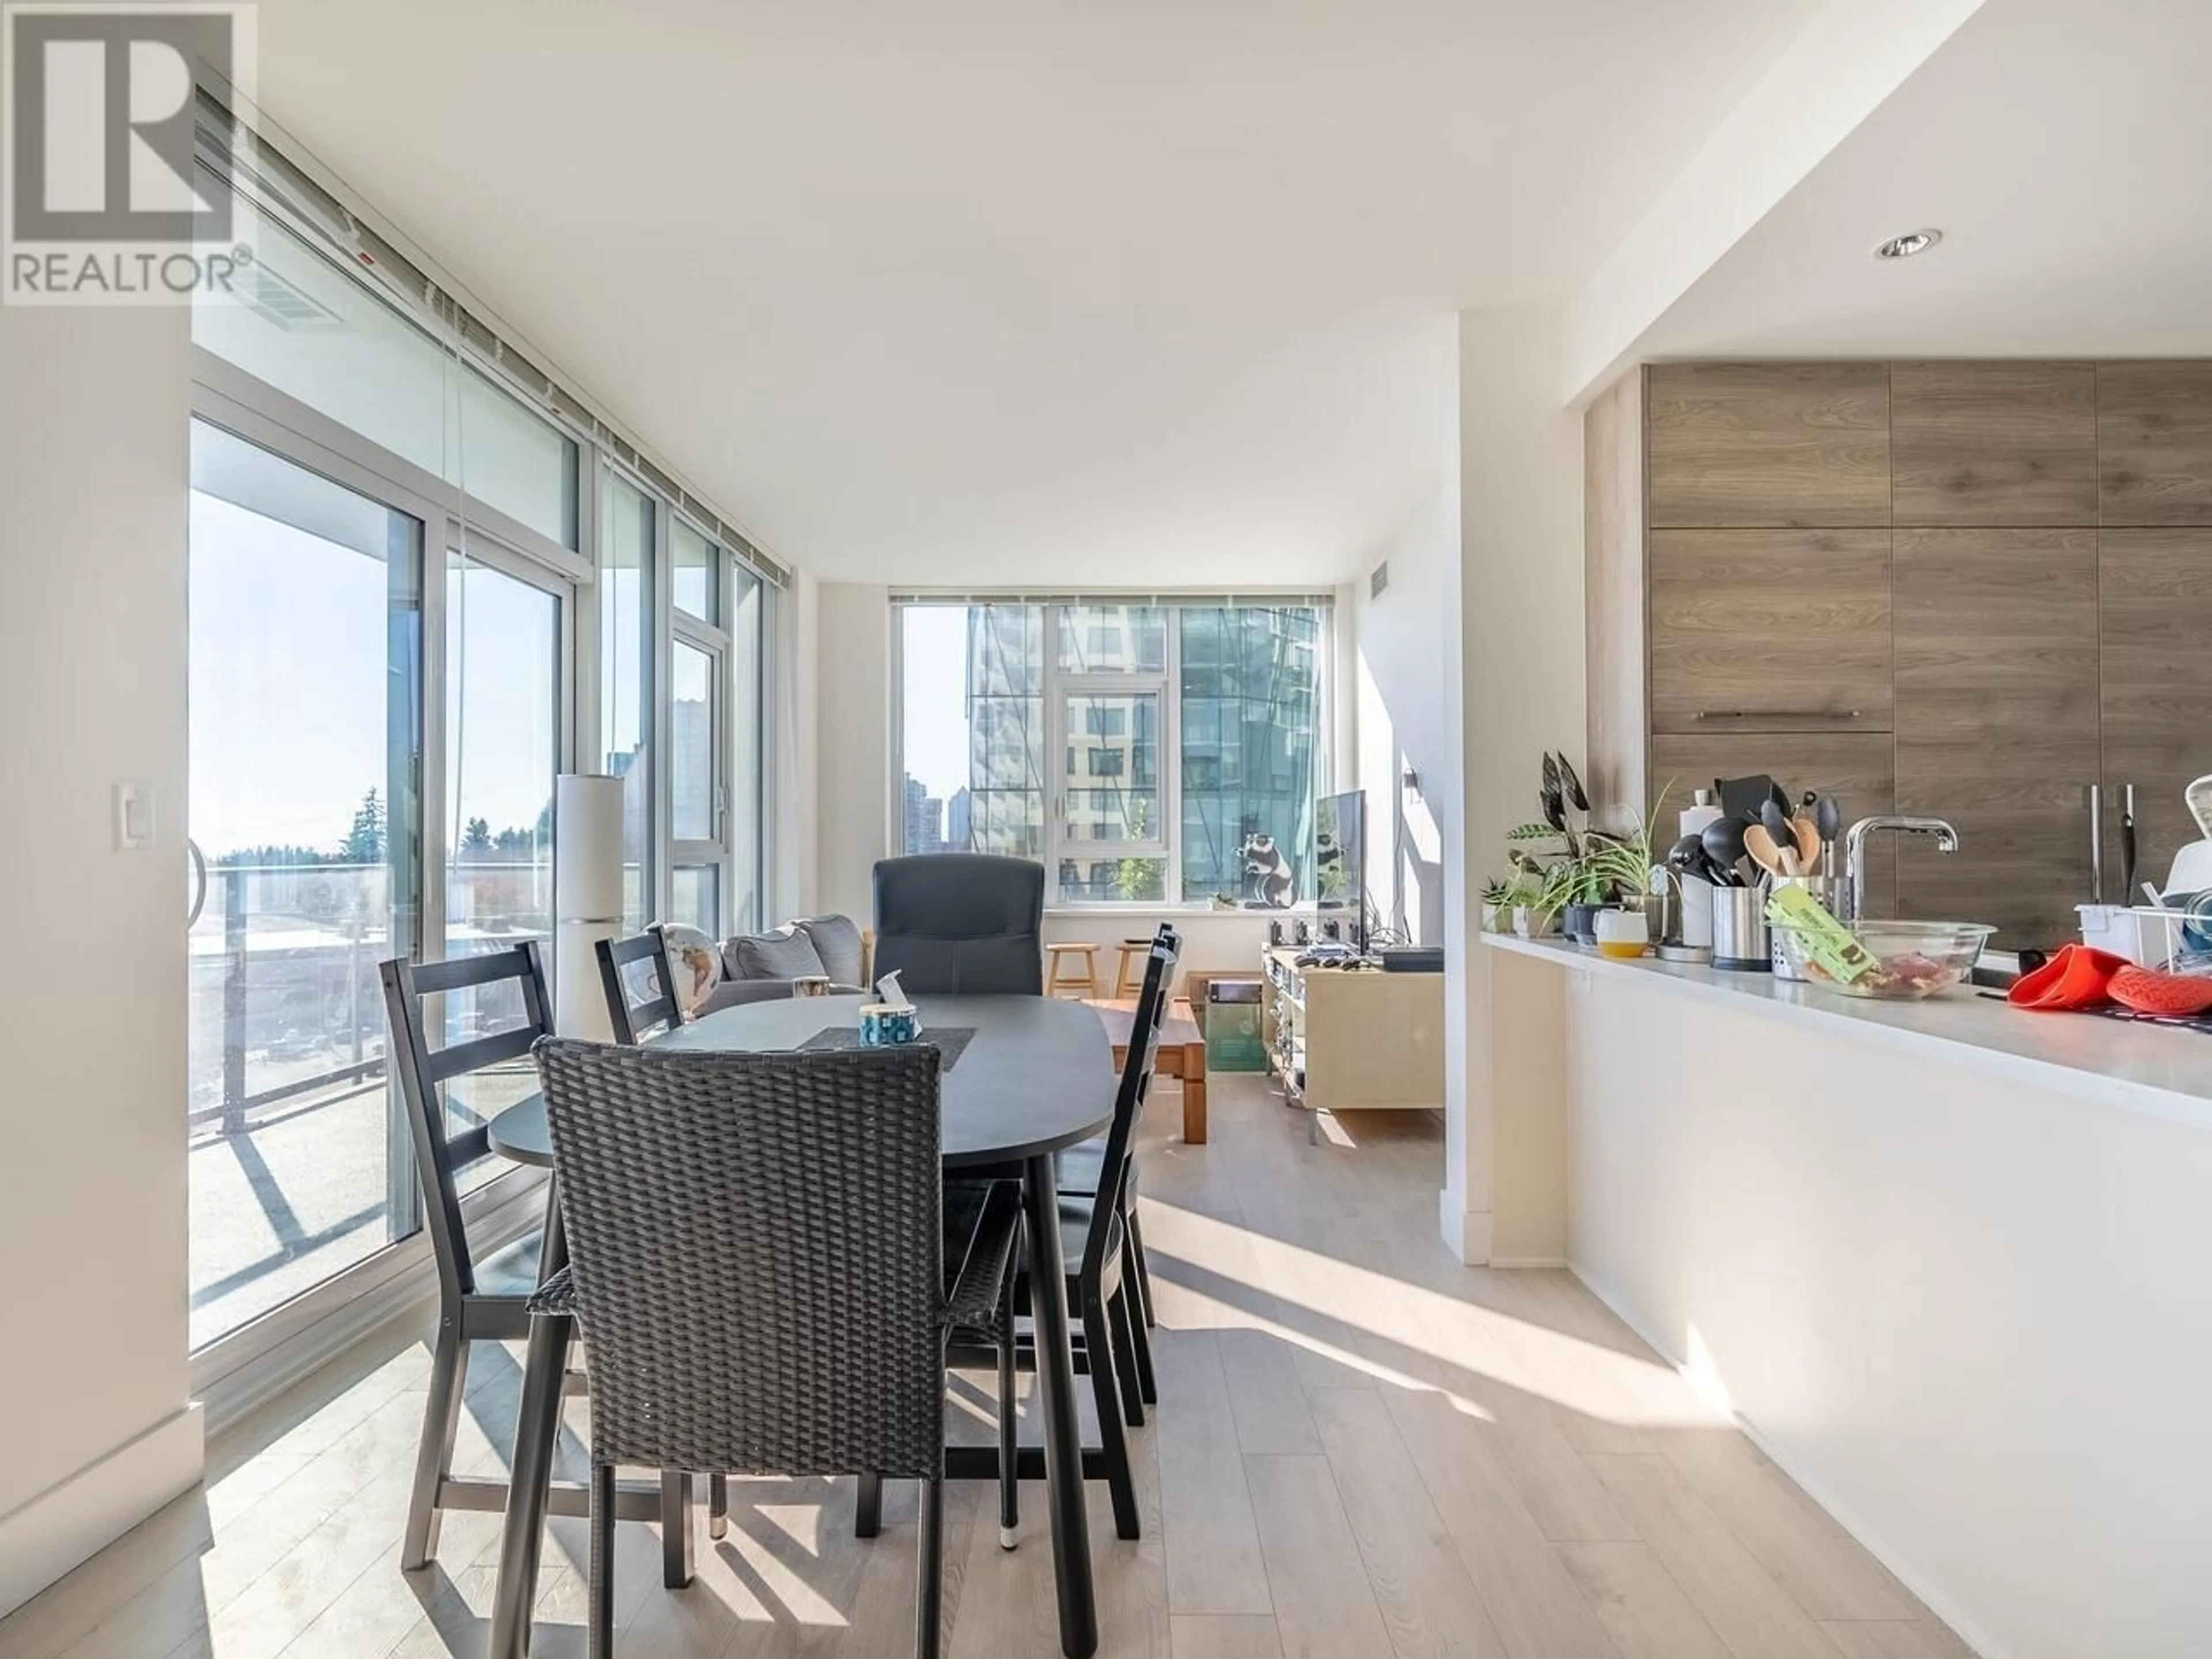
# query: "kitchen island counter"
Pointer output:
{"type": "Point", "coordinates": [2163, 1070]}
{"type": "Point", "coordinates": [1950, 1263]}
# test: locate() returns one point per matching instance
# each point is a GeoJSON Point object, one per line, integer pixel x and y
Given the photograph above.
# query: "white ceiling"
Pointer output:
{"type": "Point", "coordinates": [2061, 147]}
{"type": "Point", "coordinates": [1156, 291]}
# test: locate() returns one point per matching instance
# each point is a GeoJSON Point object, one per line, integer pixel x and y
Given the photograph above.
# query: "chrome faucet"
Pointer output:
{"type": "Point", "coordinates": [1855, 841]}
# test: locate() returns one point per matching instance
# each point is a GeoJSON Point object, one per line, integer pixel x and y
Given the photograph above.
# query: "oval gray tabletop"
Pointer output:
{"type": "Point", "coordinates": [1037, 1076]}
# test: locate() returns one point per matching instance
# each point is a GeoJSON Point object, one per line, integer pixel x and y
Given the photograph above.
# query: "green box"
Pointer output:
{"type": "Point", "coordinates": [1233, 1041]}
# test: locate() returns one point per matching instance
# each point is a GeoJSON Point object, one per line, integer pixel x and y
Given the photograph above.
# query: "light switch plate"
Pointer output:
{"type": "Point", "coordinates": [134, 816]}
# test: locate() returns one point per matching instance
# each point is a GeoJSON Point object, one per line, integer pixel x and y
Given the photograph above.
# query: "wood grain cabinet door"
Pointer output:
{"type": "Point", "coordinates": [1855, 767]}
{"type": "Point", "coordinates": [2155, 443]}
{"type": "Point", "coordinates": [1770, 631]}
{"type": "Point", "coordinates": [2157, 621]}
{"type": "Point", "coordinates": [1997, 725]}
{"type": "Point", "coordinates": [1974, 444]}
{"type": "Point", "coordinates": [1767, 444]}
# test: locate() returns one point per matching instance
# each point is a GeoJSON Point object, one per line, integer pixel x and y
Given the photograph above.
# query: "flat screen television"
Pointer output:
{"type": "Point", "coordinates": [1340, 864]}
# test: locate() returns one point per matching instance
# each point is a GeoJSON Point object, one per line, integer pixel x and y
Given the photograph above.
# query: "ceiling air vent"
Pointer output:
{"type": "Point", "coordinates": [1379, 583]}
{"type": "Point", "coordinates": [270, 296]}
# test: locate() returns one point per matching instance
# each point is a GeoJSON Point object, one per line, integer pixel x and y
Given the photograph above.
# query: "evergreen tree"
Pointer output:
{"type": "Point", "coordinates": [475, 840]}
{"type": "Point", "coordinates": [364, 842]}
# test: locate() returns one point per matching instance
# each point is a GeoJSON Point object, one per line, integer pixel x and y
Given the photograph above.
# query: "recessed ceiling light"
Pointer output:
{"type": "Point", "coordinates": [1904, 246]}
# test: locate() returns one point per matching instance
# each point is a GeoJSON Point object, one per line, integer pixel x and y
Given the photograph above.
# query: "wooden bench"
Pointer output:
{"type": "Point", "coordinates": [1181, 1054]}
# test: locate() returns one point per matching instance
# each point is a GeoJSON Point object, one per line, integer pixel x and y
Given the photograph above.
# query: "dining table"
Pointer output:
{"type": "Point", "coordinates": [1025, 1077]}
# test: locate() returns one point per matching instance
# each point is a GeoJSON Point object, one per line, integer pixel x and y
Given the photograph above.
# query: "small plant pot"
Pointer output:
{"type": "Point", "coordinates": [1580, 921]}
{"type": "Point", "coordinates": [1531, 923]}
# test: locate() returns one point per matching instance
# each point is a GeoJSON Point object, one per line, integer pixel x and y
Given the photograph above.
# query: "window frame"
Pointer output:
{"type": "Point", "coordinates": [1058, 684]}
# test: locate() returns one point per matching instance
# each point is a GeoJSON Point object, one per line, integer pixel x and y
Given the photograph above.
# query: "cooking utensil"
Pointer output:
{"type": "Point", "coordinates": [1828, 819]}
{"type": "Point", "coordinates": [2127, 838]}
{"type": "Point", "coordinates": [1807, 837]}
{"type": "Point", "coordinates": [1723, 839]}
{"type": "Point", "coordinates": [1764, 851]}
{"type": "Point", "coordinates": [1774, 819]}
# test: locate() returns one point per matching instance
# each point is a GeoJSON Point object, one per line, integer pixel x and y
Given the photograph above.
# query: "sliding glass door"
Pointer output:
{"type": "Point", "coordinates": [306, 685]}
{"type": "Point", "coordinates": [504, 624]}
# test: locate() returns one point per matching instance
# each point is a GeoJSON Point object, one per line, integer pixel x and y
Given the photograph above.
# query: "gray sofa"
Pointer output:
{"type": "Point", "coordinates": [761, 967]}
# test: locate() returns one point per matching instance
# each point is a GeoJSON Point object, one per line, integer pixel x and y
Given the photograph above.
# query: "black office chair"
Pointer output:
{"type": "Point", "coordinates": [954, 924]}
{"type": "Point", "coordinates": [796, 1326]}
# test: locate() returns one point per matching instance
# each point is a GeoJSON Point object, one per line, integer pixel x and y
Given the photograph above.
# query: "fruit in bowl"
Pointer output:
{"type": "Point", "coordinates": [1911, 960]}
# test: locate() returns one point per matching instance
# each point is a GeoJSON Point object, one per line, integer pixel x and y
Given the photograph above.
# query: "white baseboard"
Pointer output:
{"type": "Point", "coordinates": [1527, 1261]}
{"type": "Point", "coordinates": [1465, 1232]}
{"type": "Point", "coordinates": [77, 1517]}
{"type": "Point", "coordinates": [1936, 1602]}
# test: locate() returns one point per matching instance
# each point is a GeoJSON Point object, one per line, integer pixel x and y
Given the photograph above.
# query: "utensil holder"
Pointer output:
{"type": "Point", "coordinates": [1829, 890]}
{"type": "Point", "coordinates": [1741, 943]}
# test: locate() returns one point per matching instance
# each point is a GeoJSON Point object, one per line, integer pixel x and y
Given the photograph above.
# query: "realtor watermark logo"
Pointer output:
{"type": "Point", "coordinates": [106, 195]}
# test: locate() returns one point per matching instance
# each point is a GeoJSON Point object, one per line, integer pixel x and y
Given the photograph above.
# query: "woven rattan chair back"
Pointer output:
{"type": "Point", "coordinates": [755, 1243]}
{"type": "Point", "coordinates": [634, 1021]}
{"type": "Point", "coordinates": [440, 1158]}
{"type": "Point", "coordinates": [1130, 1099]}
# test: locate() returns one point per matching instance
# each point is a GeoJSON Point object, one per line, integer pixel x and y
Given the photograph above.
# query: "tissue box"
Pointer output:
{"type": "Point", "coordinates": [883, 1026]}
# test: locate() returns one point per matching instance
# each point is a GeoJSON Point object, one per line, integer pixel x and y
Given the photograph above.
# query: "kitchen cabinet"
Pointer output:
{"type": "Point", "coordinates": [1767, 444]}
{"type": "Point", "coordinates": [2155, 443]}
{"type": "Point", "coordinates": [1980, 444]}
{"type": "Point", "coordinates": [1767, 630]}
{"type": "Point", "coordinates": [2156, 629]}
{"type": "Point", "coordinates": [1856, 767]}
{"type": "Point", "coordinates": [1997, 713]}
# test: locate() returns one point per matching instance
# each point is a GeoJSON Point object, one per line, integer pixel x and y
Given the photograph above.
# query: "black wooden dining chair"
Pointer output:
{"type": "Point", "coordinates": [480, 1299]}
{"type": "Point", "coordinates": [1096, 1245]}
{"type": "Point", "coordinates": [796, 1326]}
{"type": "Point", "coordinates": [656, 1012]}
{"type": "Point", "coordinates": [658, 1009]}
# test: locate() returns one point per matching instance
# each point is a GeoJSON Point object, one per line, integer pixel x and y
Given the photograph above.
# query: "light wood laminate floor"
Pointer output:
{"type": "Point", "coordinates": [1363, 1451]}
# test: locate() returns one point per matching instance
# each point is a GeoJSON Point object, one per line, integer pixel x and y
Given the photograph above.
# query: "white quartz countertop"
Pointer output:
{"type": "Point", "coordinates": [2157, 1069]}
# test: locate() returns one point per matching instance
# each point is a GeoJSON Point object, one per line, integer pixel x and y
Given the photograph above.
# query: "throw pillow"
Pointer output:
{"type": "Point", "coordinates": [836, 940]}
{"type": "Point", "coordinates": [695, 962]}
{"type": "Point", "coordinates": [787, 953]}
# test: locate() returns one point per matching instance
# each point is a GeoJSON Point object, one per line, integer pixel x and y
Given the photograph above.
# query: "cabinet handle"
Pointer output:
{"type": "Point", "coordinates": [1778, 713]}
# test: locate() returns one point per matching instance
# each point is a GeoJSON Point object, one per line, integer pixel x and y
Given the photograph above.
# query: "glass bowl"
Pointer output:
{"type": "Point", "coordinates": [1913, 959]}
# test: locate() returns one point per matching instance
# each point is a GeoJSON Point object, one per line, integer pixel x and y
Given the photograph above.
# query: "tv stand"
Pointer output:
{"type": "Point", "coordinates": [1352, 1039]}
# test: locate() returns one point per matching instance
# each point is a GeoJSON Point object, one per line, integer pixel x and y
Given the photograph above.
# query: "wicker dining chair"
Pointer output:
{"type": "Point", "coordinates": [758, 1262]}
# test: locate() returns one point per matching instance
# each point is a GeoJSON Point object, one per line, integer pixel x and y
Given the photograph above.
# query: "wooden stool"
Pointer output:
{"type": "Point", "coordinates": [1129, 968]}
{"type": "Point", "coordinates": [1084, 983]}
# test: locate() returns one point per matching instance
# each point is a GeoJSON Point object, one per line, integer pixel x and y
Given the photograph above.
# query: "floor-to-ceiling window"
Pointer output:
{"type": "Point", "coordinates": [305, 681]}
{"type": "Point", "coordinates": [1150, 752]}
{"type": "Point", "coordinates": [544, 598]}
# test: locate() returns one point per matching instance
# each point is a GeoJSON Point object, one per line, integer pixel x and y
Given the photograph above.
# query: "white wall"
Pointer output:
{"type": "Point", "coordinates": [853, 743]}
{"type": "Point", "coordinates": [1966, 1312]}
{"type": "Point", "coordinates": [98, 1433]}
{"type": "Point", "coordinates": [1394, 681]}
{"type": "Point", "coordinates": [794, 880]}
{"type": "Point", "coordinates": [1513, 603]}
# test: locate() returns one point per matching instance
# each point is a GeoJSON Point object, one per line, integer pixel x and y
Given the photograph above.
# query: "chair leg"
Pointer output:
{"type": "Point", "coordinates": [1121, 1485]}
{"type": "Point", "coordinates": [929, 1600]}
{"type": "Point", "coordinates": [868, 1507]}
{"type": "Point", "coordinates": [600, 1636]}
{"type": "Point", "coordinates": [1124, 1357]}
{"type": "Point", "coordinates": [1010, 1480]}
{"type": "Point", "coordinates": [718, 1506]}
{"type": "Point", "coordinates": [441, 1421]}
{"type": "Point", "coordinates": [1142, 1271]}
{"type": "Point", "coordinates": [676, 1529]}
